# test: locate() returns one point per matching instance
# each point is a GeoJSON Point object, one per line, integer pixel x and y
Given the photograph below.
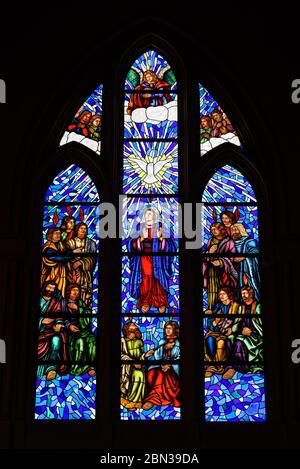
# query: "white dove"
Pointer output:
{"type": "Point", "coordinates": [150, 169]}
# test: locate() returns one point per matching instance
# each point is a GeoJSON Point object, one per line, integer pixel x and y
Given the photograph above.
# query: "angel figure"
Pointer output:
{"type": "Point", "coordinates": [149, 81]}
{"type": "Point", "coordinates": [150, 169]}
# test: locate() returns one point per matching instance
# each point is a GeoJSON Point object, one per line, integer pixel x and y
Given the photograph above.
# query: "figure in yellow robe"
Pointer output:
{"type": "Point", "coordinates": [80, 269]}
{"type": "Point", "coordinates": [133, 377]}
{"type": "Point", "coordinates": [54, 260]}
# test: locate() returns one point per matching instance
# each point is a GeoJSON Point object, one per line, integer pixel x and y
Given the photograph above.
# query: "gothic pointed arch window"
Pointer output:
{"type": "Point", "coordinates": [150, 321]}
{"type": "Point", "coordinates": [232, 319]}
{"type": "Point", "coordinates": [68, 322]}
{"type": "Point", "coordinates": [68, 318]}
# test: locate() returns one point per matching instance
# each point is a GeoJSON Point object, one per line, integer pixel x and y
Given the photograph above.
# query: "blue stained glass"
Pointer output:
{"type": "Point", "coordinates": [228, 185]}
{"type": "Point", "coordinates": [166, 129]}
{"type": "Point", "coordinates": [215, 127]}
{"type": "Point", "coordinates": [54, 217]}
{"type": "Point", "coordinates": [205, 300]}
{"type": "Point", "coordinates": [94, 303]}
{"type": "Point", "coordinates": [154, 121]}
{"type": "Point", "coordinates": [69, 284]}
{"type": "Point", "coordinates": [150, 168]}
{"type": "Point", "coordinates": [129, 304]}
{"type": "Point", "coordinates": [207, 102]}
{"type": "Point", "coordinates": [239, 399]}
{"type": "Point", "coordinates": [156, 413]}
{"type": "Point", "coordinates": [66, 398]}
{"type": "Point", "coordinates": [85, 127]}
{"type": "Point", "coordinates": [72, 185]}
{"type": "Point", "coordinates": [94, 326]}
{"type": "Point", "coordinates": [133, 220]}
{"type": "Point", "coordinates": [152, 329]}
{"type": "Point", "coordinates": [244, 215]}
{"type": "Point", "coordinates": [149, 283]}
{"type": "Point", "coordinates": [150, 60]}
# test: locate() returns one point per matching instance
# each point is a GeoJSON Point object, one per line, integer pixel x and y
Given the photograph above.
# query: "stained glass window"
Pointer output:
{"type": "Point", "coordinates": [86, 125]}
{"type": "Point", "coordinates": [150, 321]}
{"type": "Point", "coordinates": [150, 316]}
{"type": "Point", "coordinates": [232, 317]}
{"type": "Point", "coordinates": [68, 316]}
{"type": "Point", "coordinates": [215, 127]}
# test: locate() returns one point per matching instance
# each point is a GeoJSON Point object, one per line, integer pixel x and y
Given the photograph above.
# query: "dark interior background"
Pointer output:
{"type": "Point", "coordinates": [51, 59]}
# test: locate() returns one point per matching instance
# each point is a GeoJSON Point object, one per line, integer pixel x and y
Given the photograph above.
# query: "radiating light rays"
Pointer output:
{"type": "Point", "coordinates": [150, 167]}
{"type": "Point", "coordinates": [72, 185]}
{"type": "Point", "coordinates": [228, 185]}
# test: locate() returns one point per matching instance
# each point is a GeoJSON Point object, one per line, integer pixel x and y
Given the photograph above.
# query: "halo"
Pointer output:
{"type": "Point", "coordinates": [153, 209]}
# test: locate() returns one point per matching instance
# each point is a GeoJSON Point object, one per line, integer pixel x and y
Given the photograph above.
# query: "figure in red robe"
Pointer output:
{"type": "Point", "coordinates": [149, 82]}
{"type": "Point", "coordinates": [80, 125]}
{"type": "Point", "coordinates": [163, 379]}
{"type": "Point", "coordinates": [150, 274]}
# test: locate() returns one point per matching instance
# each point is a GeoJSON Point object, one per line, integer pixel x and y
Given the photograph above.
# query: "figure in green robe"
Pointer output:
{"type": "Point", "coordinates": [133, 376]}
{"type": "Point", "coordinates": [82, 341]}
{"type": "Point", "coordinates": [205, 128]}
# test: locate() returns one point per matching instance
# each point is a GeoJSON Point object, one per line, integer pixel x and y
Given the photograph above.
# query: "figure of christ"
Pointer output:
{"type": "Point", "coordinates": [150, 275]}
{"type": "Point", "coordinates": [245, 343]}
{"type": "Point", "coordinates": [218, 329]}
{"type": "Point", "coordinates": [133, 378]}
{"type": "Point", "coordinates": [52, 340]}
{"type": "Point", "coordinates": [80, 269]}
{"type": "Point", "coordinates": [218, 271]}
{"type": "Point", "coordinates": [82, 341]}
{"type": "Point", "coordinates": [248, 268]}
{"type": "Point", "coordinates": [163, 379]}
{"type": "Point", "coordinates": [55, 257]}
{"type": "Point", "coordinates": [150, 81]}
